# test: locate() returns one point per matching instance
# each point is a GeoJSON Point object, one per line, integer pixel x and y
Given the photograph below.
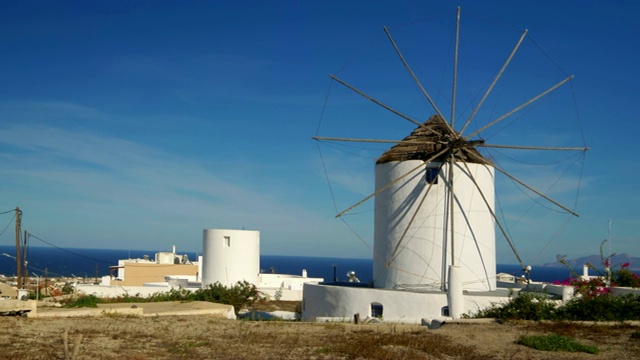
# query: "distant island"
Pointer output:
{"type": "Point", "coordinates": [596, 260]}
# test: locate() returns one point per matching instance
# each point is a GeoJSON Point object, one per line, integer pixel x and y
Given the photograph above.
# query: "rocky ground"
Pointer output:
{"type": "Point", "coordinates": [211, 337]}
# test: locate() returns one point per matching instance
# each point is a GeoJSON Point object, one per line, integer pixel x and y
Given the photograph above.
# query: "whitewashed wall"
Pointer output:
{"type": "Point", "coordinates": [230, 256]}
{"type": "Point", "coordinates": [341, 303]}
{"type": "Point", "coordinates": [425, 252]}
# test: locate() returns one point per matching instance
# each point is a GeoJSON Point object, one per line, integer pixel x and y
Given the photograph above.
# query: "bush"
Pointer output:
{"type": "Point", "coordinates": [532, 306]}
{"type": "Point", "coordinates": [240, 295]}
{"type": "Point", "coordinates": [602, 308]}
{"type": "Point", "coordinates": [555, 342]}
{"type": "Point", "coordinates": [592, 288]}
{"type": "Point", "coordinates": [68, 288]}
{"type": "Point", "coordinates": [525, 306]}
{"type": "Point", "coordinates": [172, 295]}
{"type": "Point", "coordinates": [82, 301]}
{"type": "Point", "coordinates": [625, 277]}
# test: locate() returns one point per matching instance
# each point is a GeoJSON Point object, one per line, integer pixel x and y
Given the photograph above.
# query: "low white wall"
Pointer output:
{"type": "Point", "coordinates": [618, 291]}
{"type": "Point", "coordinates": [119, 291]}
{"type": "Point", "coordinates": [291, 282]}
{"type": "Point", "coordinates": [566, 292]}
{"type": "Point", "coordinates": [289, 286]}
{"type": "Point", "coordinates": [285, 295]}
{"type": "Point", "coordinates": [341, 303]}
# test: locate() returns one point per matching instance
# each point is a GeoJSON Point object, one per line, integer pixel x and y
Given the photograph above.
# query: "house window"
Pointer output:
{"type": "Point", "coordinates": [431, 176]}
{"type": "Point", "coordinates": [227, 241]}
{"type": "Point", "coordinates": [376, 310]}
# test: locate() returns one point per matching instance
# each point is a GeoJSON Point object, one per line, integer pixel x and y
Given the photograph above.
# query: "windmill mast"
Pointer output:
{"type": "Point", "coordinates": [453, 116]}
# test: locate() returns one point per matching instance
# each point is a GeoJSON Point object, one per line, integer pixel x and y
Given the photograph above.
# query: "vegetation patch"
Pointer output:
{"type": "Point", "coordinates": [82, 301]}
{"type": "Point", "coordinates": [601, 308]}
{"type": "Point", "coordinates": [525, 306]}
{"type": "Point", "coordinates": [554, 342]}
{"type": "Point", "coordinates": [535, 306]}
{"type": "Point", "coordinates": [241, 295]}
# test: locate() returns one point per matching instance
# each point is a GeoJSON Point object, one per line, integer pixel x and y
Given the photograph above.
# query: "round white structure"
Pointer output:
{"type": "Point", "coordinates": [412, 238]}
{"type": "Point", "coordinates": [230, 256]}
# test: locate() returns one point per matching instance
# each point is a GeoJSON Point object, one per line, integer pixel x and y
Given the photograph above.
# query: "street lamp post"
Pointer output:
{"type": "Point", "coordinates": [37, 286]}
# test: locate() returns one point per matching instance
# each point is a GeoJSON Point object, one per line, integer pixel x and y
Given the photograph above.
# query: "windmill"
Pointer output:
{"type": "Point", "coordinates": [435, 218]}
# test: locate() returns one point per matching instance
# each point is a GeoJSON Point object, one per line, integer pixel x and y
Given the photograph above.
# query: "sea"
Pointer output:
{"type": "Point", "coordinates": [94, 263]}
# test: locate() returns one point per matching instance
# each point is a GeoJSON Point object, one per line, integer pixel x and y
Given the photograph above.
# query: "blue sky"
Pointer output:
{"type": "Point", "coordinates": [137, 124]}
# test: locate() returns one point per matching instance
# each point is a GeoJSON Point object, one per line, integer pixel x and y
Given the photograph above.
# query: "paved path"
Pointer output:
{"type": "Point", "coordinates": [142, 309]}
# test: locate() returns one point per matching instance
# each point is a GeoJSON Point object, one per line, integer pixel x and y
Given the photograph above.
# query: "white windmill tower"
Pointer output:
{"type": "Point", "coordinates": [425, 221]}
{"type": "Point", "coordinates": [435, 218]}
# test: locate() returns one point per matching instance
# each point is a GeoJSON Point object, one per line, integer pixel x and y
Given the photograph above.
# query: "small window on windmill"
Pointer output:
{"type": "Point", "coordinates": [431, 176]}
{"type": "Point", "coordinates": [227, 241]}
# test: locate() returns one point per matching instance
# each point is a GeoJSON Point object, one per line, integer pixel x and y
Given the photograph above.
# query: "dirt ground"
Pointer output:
{"type": "Point", "coordinates": [211, 337]}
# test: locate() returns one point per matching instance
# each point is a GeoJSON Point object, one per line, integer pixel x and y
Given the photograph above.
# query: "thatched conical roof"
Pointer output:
{"type": "Point", "coordinates": [427, 140]}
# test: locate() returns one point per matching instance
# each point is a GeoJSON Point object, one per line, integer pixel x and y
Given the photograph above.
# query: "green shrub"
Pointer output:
{"type": "Point", "coordinates": [82, 301]}
{"type": "Point", "coordinates": [525, 306]}
{"type": "Point", "coordinates": [68, 288]}
{"type": "Point", "coordinates": [602, 308]}
{"type": "Point", "coordinates": [532, 306]}
{"type": "Point", "coordinates": [172, 295]}
{"type": "Point", "coordinates": [554, 342]}
{"type": "Point", "coordinates": [625, 277]}
{"type": "Point", "coordinates": [240, 295]}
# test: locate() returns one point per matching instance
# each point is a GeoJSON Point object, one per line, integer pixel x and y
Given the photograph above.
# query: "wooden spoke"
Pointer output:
{"type": "Point", "coordinates": [537, 192]}
{"type": "Point", "coordinates": [506, 63]}
{"type": "Point", "coordinates": [524, 147]}
{"type": "Point", "coordinates": [536, 98]}
{"type": "Point", "coordinates": [455, 71]}
{"type": "Point", "coordinates": [324, 138]}
{"type": "Point", "coordinates": [414, 77]}
{"type": "Point", "coordinates": [391, 183]}
{"type": "Point", "coordinates": [415, 213]}
{"type": "Point", "coordinates": [493, 215]}
{"type": "Point", "coordinates": [380, 103]}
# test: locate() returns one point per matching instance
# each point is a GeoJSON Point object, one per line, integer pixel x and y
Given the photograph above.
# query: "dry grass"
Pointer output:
{"type": "Point", "coordinates": [207, 337]}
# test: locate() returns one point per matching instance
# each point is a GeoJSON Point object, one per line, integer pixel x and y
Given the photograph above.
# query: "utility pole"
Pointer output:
{"type": "Point", "coordinates": [18, 262]}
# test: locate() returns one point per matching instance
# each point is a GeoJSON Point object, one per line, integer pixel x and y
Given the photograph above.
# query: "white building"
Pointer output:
{"type": "Point", "coordinates": [413, 245]}
{"type": "Point", "coordinates": [228, 256]}
{"type": "Point", "coordinates": [234, 255]}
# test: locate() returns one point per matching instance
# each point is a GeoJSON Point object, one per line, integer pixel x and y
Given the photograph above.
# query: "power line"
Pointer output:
{"type": "Point", "coordinates": [68, 251]}
{"type": "Point", "coordinates": [9, 223]}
